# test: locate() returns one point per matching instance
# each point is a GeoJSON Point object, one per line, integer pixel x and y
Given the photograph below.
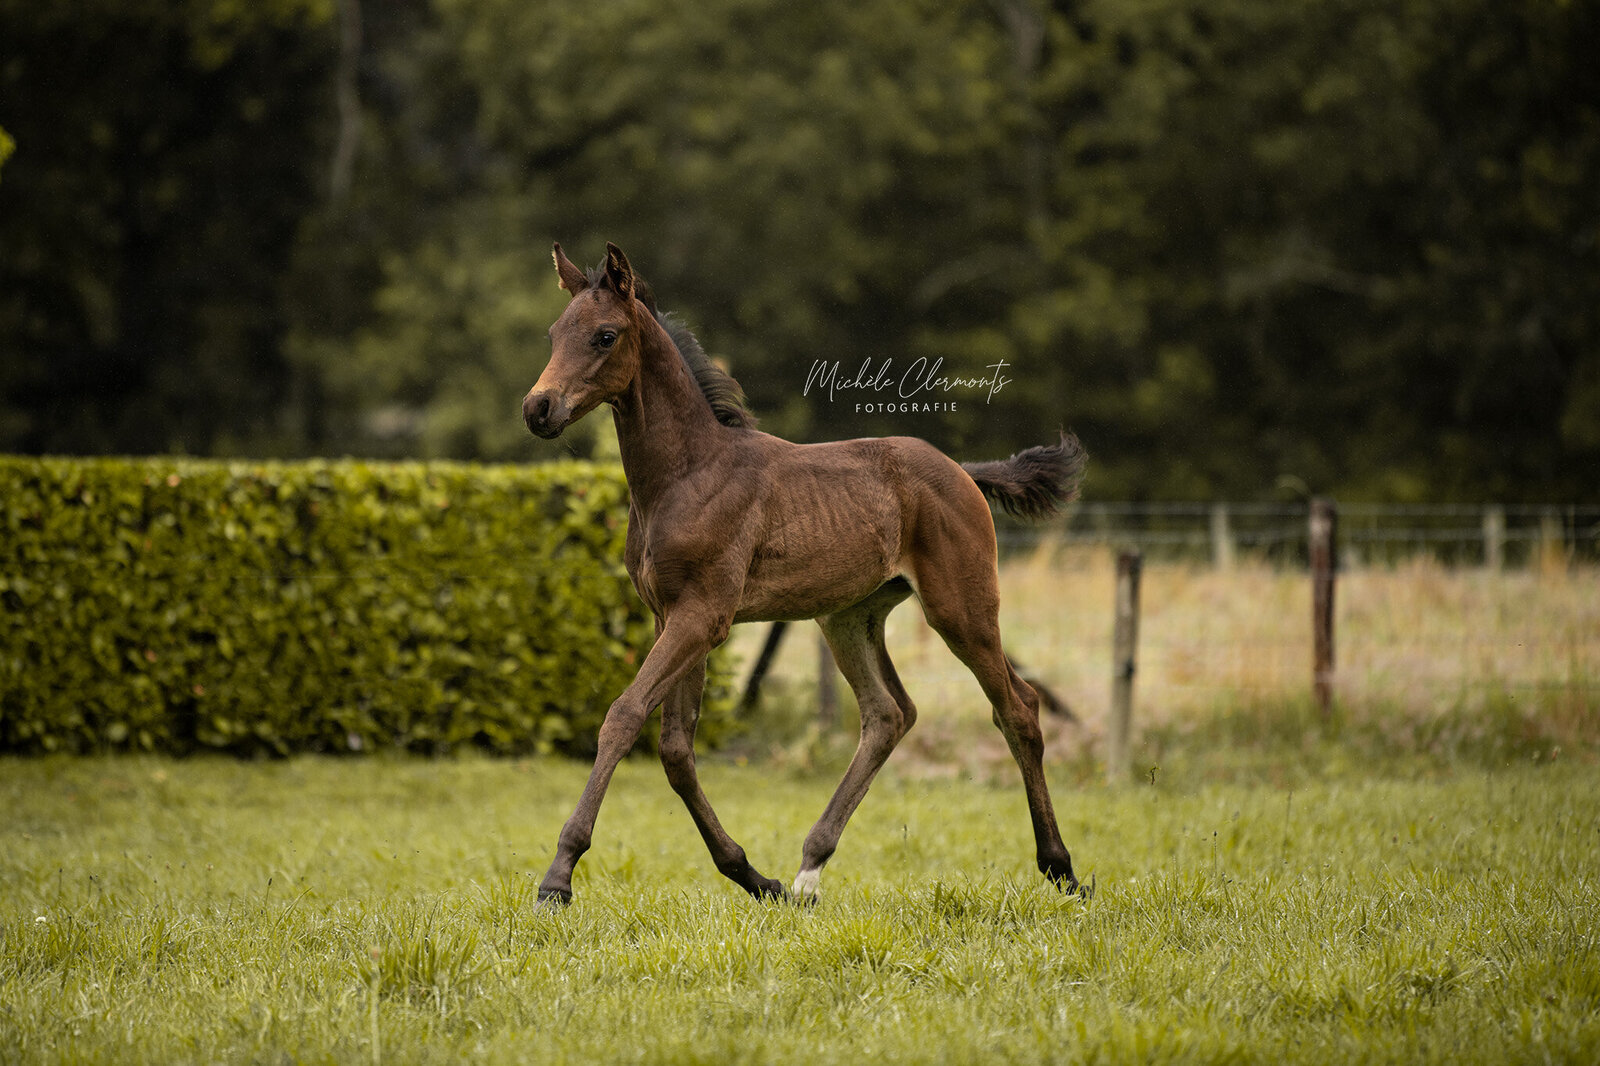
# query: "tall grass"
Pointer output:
{"type": "Point", "coordinates": [322, 911]}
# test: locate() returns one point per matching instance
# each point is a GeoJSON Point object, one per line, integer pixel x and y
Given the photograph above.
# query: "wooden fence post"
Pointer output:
{"type": "Point", "coordinates": [1494, 538]}
{"type": "Point", "coordinates": [1124, 663]}
{"type": "Point", "coordinates": [1324, 564]}
{"type": "Point", "coordinates": [827, 690]}
{"type": "Point", "coordinates": [758, 673]}
{"type": "Point", "coordinates": [1552, 542]}
{"type": "Point", "coordinates": [1221, 537]}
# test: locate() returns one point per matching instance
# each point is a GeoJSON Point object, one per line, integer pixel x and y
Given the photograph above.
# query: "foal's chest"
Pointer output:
{"type": "Point", "coordinates": [658, 571]}
{"type": "Point", "coordinates": [643, 572]}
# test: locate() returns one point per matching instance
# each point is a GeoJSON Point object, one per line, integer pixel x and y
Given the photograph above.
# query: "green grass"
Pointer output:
{"type": "Point", "coordinates": [383, 911]}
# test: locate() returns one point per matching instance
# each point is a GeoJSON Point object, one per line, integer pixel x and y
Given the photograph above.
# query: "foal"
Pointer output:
{"type": "Point", "coordinates": [727, 524]}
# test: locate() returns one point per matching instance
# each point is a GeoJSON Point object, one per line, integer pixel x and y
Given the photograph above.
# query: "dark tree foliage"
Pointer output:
{"type": "Point", "coordinates": [146, 220]}
{"type": "Point", "coordinates": [1349, 245]}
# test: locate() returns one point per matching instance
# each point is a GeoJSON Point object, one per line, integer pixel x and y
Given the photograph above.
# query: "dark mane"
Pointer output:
{"type": "Point", "coordinates": [718, 386]}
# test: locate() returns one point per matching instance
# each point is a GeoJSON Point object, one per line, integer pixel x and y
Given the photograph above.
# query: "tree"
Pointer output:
{"type": "Point", "coordinates": [1343, 241]}
{"type": "Point", "coordinates": [147, 222]}
{"type": "Point", "coordinates": [773, 167]}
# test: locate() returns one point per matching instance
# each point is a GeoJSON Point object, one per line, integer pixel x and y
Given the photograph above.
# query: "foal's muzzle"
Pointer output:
{"type": "Point", "coordinates": [545, 415]}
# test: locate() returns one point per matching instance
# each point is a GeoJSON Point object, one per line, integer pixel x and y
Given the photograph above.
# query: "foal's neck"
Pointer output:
{"type": "Point", "coordinates": [664, 424]}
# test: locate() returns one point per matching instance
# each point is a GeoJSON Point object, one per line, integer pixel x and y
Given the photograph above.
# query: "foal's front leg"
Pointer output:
{"type": "Point", "coordinates": [682, 646]}
{"type": "Point", "coordinates": [679, 716]}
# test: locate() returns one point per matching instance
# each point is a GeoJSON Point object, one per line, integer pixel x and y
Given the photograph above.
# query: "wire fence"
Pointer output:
{"type": "Point", "coordinates": [1446, 617]}
{"type": "Point", "coordinates": [1492, 535]}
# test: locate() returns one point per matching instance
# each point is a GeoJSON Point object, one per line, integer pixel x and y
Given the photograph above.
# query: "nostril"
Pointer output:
{"type": "Point", "coordinates": [535, 410]}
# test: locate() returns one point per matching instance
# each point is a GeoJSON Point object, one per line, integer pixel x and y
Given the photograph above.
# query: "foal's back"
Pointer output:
{"type": "Point", "coordinates": [832, 522]}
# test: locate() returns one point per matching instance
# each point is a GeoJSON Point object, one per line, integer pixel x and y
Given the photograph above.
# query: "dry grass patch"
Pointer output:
{"type": "Point", "coordinates": [1458, 659]}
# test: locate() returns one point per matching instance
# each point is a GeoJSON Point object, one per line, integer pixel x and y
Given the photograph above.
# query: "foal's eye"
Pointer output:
{"type": "Point", "coordinates": [605, 338]}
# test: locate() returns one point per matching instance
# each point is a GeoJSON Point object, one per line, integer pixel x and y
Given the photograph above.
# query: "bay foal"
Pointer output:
{"type": "Point", "coordinates": [727, 524]}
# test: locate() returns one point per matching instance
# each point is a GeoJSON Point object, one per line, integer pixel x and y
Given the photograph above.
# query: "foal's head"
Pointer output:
{"type": "Point", "coordinates": [594, 344]}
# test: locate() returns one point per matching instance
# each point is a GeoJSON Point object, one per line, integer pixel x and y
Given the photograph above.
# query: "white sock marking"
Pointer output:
{"type": "Point", "coordinates": [806, 883]}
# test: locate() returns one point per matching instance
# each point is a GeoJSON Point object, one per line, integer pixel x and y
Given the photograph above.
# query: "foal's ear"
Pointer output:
{"type": "Point", "coordinates": [572, 279]}
{"type": "Point", "coordinates": [618, 272]}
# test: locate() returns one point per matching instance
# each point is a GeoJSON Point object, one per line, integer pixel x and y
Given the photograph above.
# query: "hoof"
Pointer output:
{"type": "Point", "coordinates": [746, 877]}
{"type": "Point", "coordinates": [765, 888]}
{"type": "Point", "coordinates": [807, 887]}
{"type": "Point", "coordinates": [1060, 875]}
{"type": "Point", "coordinates": [555, 898]}
{"type": "Point", "coordinates": [1071, 886]}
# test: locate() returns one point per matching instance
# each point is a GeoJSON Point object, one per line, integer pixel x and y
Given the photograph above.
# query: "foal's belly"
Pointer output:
{"type": "Point", "coordinates": [827, 578]}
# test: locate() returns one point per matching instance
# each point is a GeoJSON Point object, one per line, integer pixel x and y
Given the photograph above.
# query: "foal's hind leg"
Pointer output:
{"type": "Point", "coordinates": [680, 713]}
{"type": "Point", "coordinates": [856, 637]}
{"type": "Point", "coordinates": [963, 605]}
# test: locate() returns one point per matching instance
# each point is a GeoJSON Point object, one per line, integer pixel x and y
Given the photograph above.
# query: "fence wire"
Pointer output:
{"type": "Point", "coordinates": [1493, 535]}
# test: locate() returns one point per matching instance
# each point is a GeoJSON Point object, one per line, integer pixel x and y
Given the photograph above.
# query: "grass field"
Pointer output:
{"type": "Point", "coordinates": [383, 911]}
{"type": "Point", "coordinates": [1412, 881]}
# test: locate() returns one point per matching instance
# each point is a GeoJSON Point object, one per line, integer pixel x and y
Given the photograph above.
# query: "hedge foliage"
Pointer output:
{"type": "Point", "coordinates": [179, 605]}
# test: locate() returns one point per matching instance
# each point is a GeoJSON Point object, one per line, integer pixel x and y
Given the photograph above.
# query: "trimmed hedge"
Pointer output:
{"type": "Point", "coordinates": [179, 605]}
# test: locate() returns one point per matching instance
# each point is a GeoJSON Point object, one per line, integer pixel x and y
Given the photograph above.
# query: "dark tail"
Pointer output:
{"type": "Point", "coordinates": [1033, 483]}
{"type": "Point", "coordinates": [1048, 700]}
